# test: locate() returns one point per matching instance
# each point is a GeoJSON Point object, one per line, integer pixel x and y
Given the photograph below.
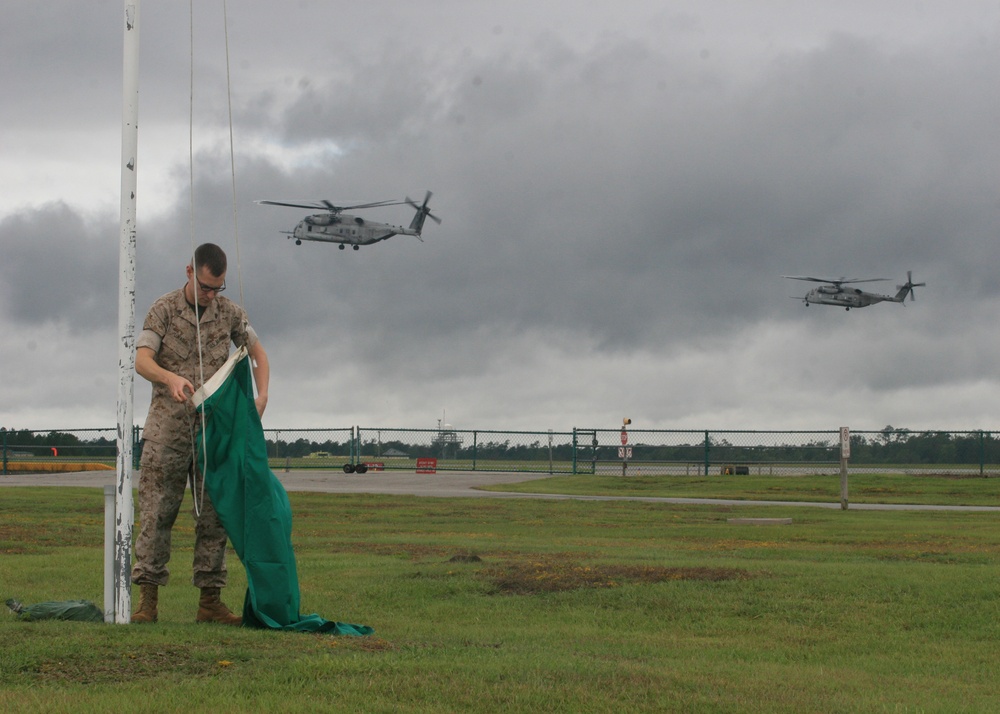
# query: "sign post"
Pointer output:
{"type": "Point", "coordinates": [845, 455]}
{"type": "Point", "coordinates": [625, 451]}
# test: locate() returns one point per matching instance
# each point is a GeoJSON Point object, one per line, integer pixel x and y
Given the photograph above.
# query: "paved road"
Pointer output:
{"type": "Point", "coordinates": [453, 484]}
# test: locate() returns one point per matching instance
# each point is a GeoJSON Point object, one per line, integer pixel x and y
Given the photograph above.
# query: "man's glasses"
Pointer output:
{"type": "Point", "coordinates": [210, 288]}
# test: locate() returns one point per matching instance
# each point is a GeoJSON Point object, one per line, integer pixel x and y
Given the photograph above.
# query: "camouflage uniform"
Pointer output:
{"type": "Point", "coordinates": [168, 454]}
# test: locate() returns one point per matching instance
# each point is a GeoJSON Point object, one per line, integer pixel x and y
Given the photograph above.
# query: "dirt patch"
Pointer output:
{"type": "Point", "coordinates": [947, 475]}
{"type": "Point", "coordinates": [413, 551]}
{"type": "Point", "coordinates": [550, 575]}
{"type": "Point", "coordinates": [142, 663]}
{"type": "Point", "coordinates": [365, 644]}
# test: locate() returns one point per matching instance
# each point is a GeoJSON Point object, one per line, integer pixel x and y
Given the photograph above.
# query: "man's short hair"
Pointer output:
{"type": "Point", "coordinates": [212, 257]}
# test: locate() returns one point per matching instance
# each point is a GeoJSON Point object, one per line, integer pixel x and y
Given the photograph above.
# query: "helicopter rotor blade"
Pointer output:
{"type": "Point", "coordinates": [333, 208]}
{"type": "Point", "coordinates": [310, 206]}
{"type": "Point", "coordinates": [423, 209]}
{"type": "Point", "coordinates": [326, 205]}
{"type": "Point", "coordinates": [834, 281]}
{"type": "Point", "coordinates": [909, 287]}
{"type": "Point", "coordinates": [375, 204]}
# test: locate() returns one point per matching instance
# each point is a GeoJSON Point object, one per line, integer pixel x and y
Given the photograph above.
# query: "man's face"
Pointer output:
{"type": "Point", "coordinates": [203, 285]}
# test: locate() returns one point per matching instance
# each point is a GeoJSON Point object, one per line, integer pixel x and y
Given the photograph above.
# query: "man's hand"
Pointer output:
{"type": "Point", "coordinates": [261, 403]}
{"type": "Point", "coordinates": [180, 389]}
{"type": "Point", "coordinates": [145, 364]}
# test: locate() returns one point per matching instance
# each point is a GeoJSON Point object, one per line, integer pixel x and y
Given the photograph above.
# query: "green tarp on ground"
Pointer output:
{"type": "Point", "coordinates": [78, 610]}
{"type": "Point", "coordinates": [253, 505]}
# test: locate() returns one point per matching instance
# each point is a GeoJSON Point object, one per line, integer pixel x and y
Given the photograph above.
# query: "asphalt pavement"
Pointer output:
{"type": "Point", "coordinates": [451, 484]}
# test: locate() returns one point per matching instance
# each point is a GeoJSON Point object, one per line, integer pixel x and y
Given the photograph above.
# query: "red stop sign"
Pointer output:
{"type": "Point", "coordinates": [624, 437]}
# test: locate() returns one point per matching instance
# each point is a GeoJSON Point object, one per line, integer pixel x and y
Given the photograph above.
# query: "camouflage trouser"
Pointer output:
{"type": "Point", "coordinates": [162, 484]}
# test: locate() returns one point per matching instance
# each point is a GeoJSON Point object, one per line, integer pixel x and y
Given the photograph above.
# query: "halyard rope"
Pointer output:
{"type": "Point", "coordinates": [198, 493]}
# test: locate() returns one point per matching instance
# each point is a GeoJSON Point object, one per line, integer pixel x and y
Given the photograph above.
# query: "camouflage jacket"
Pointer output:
{"type": "Point", "coordinates": [170, 331]}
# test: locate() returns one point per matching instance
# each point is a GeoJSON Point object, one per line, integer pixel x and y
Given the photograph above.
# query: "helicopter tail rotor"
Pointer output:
{"type": "Point", "coordinates": [423, 212]}
{"type": "Point", "coordinates": [907, 289]}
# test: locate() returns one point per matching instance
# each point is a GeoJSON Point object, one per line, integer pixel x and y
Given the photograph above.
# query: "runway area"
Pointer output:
{"type": "Point", "coordinates": [452, 484]}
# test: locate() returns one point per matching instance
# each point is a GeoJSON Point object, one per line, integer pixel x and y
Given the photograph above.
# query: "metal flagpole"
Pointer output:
{"type": "Point", "coordinates": [124, 507]}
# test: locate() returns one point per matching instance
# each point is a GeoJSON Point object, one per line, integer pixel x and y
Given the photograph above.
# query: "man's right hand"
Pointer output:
{"type": "Point", "coordinates": [145, 364]}
{"type": "Point", "coordinates": [180, 389]}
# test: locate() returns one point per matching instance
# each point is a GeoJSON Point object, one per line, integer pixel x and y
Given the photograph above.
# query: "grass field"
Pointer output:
{"type": "Point", "coordinates": [897, 488]}
{"type": "Point", "coordinates": [484, 605]}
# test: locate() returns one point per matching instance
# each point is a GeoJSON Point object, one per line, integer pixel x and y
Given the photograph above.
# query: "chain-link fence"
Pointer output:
{"type": "Point", "coordinates": [62, 450]}
{"type": "Point", "coordinates": [311, 448]}
{"type": "Point", "coordinates": [467, 450]}
{"type": "Point", "coordinates": [594, 451]}
{"type": "Point", "coordinates": [704, 452]}
{"type": "Point", "coordinates": [737, 452]}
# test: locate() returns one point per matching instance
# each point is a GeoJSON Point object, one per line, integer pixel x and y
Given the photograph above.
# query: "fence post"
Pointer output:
{"type": "Point", "coordinates": [475, 448]}
{"type": "Point", "coordinates": [574, 451]}
{"type": "Point", "coordinates": [845, 454]}
{"type": "Point", "coordinates": [706, 452]}
{"type": "Point", "coordinates": [3, 429]}
{"type": "Point", "coordinates": [982, 452]}
{"type": "Point", "coordinates": [136, 446]}
{"type": "Point", "coordinates": [109, 552]}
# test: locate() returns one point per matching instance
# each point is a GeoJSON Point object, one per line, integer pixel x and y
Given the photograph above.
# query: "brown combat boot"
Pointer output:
{"type": "Point", "coordinates": [212, 609]}
{"type": "Point", "coordinates": [148, 597]}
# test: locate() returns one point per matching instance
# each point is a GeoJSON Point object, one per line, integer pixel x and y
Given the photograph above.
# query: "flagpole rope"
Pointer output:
{"type": "Point", "coordinates": [197, 497]}
{"type": "Point", "coordinates": [199, 493]}
{"type": "Point", "coordinates": [232, 152]}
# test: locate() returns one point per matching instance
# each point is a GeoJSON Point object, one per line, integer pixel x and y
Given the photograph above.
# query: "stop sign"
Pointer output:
{"type": "Point", "coordinates": [624, 437]}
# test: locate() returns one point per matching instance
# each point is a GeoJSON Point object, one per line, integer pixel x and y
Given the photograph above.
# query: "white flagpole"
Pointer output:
{"type": "Point", "coordinates": [124, 508]}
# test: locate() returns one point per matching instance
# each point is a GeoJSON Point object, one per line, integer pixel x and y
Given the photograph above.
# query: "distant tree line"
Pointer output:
{"type": "Point", "coordinates": [38, 443]}
{"type": "Point", "coordinates": [277, 448]}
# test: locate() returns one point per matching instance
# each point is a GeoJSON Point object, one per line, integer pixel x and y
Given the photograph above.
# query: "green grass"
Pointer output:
{"type": "Point", "coordinates": [486, 605]}
{"type": "Point", "coordinates": [862, 488]}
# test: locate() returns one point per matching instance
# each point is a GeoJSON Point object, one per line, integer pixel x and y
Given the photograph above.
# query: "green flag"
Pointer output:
{"type": "Point", "coordinates": [252, 504]}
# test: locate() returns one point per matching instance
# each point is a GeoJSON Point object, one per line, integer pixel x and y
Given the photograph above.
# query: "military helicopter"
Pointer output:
{"type": "Point", "coordinates": [833, 291]}
{"type": "Point", "coordinates": [335, 226]}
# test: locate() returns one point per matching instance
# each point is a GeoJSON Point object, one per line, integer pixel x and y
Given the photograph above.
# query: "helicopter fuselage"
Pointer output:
{"type": "Point", "coordinates": [345, 230]}
{"type": "Point", "coordinates": [844, 297]}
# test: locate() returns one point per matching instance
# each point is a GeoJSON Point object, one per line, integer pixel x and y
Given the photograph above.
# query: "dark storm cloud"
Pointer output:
{"type": "Point", "coordinates": [60, 60]}
{"type": "Point", "coordinates": [621, 193]}
{"type": "Point", "coordinates": [59, 268]}
{"type": "Point", "coordinates": [626, 201]}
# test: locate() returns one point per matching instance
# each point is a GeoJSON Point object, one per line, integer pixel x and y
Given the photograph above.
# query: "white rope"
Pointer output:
{"type": "Point", "coordinates": [199, 497]}
{"type": "Point", "coordinates": [232, 153]}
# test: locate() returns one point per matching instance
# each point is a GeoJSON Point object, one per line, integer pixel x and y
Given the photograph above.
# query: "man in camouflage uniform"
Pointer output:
{"type": "Point", "coordinates": [167, 354]}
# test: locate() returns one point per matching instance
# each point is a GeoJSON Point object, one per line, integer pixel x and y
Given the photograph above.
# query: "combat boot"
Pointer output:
{"type": "Point", "coordinates": [212, 609]}
{"type": "Point", "coordinates": [148, 597]}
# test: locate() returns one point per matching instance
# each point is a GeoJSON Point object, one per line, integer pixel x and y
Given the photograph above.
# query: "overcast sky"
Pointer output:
{"type": "Point", "coordinates": [622, 186]}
